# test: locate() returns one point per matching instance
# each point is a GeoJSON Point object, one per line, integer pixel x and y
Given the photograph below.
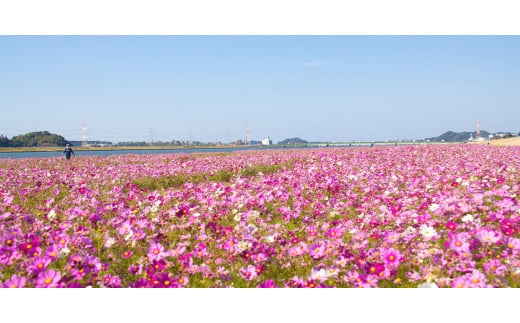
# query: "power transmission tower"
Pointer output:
{"type": "Point", "coordinates": [247, 140]}
{"type": "Point", "coordinates": [150, 136]}
{"type": "Point", "coordinates": [84, 138]}
{"type": "Point", "coordinates": [190, 137]}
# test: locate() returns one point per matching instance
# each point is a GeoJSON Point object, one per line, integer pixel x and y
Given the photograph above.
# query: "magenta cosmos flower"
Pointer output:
{"type": "Point", "coordinates": [48, 279]}
{"type": "Point", "coordinates": [267, 284]}
{"type": "Point", "coordinates": [392, 258]}
{"type": "Point", "coordinates": [126, 254]}
{"type": "Point", "coordinates": [92, 264]}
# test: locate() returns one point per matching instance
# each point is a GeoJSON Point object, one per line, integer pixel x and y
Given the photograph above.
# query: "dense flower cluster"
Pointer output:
{"type": "Point", "coordinates": [416, 216]}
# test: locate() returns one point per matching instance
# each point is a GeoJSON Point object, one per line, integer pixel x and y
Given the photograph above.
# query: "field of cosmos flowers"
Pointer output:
{"type": "Point", "coordinates": [414, 216]}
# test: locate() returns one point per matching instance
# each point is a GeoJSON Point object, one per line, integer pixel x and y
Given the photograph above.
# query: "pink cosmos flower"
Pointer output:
{"type": "Point", "coordinates": [459, 244]}
{"type": "Point", "coordinates": [319, 274]}
{"type": "Point", "coordinates": [295, 251]}
{"type": "Point", "coordinates": [38, 265]}
{"type": "Point", "coordinates": [513, 243]}
{"type": "Point", "coordinates": [259, 257]}
{"type": "Point", "coordinates": [78, 274]}
{"type": "Point", "coordinates": [9, 255]}
{"type": "Point", "coordinates": [495, 267]}
{"type": "Point", "coordinates": [370, 281]}
{"type": "Point", "coordinates": [48, 279]}
{"type": "Point", "coordinates": [341, 261]}
{"type": "Point", "coordinates": [125, 228]}
{"type": "Point", "coordinates": [487, 236]}
{"type": "Point", "coordinates": [391, 237]}
{"type": "Point", "coordinates": [52, 251]}
{"type": "Point", "coordinates": [156, 251]}
{"type": "Point", "coordinates": [249, 273]}
{"type": "Point", "coordinates": [183, 281]}
{"type": "Point", "coordinates": [14, 282]}
{"type": "Point", "coordinates": [177, 252]}
{"type": "Point", "coordinates": [360, 236]}
{"type": "Point", "coordinates": [476, 279]}
{"type": "Point", "coordinates": [317, 251]}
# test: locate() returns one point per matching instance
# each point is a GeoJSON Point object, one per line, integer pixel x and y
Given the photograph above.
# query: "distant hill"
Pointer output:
{"type": "Point", "coordinates": [451, 136]}
{"type": "Point", "coordinates": [292, 141]}
{"type": "Point", "coordinates": [38, 139]}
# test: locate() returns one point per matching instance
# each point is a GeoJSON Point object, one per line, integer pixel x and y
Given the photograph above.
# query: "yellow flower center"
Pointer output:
{"type": "Point", "coordinates": [48, 281]}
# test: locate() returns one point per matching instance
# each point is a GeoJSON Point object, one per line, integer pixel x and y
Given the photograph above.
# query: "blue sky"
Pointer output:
{"type": "Point", "coordinates": [318, 88]}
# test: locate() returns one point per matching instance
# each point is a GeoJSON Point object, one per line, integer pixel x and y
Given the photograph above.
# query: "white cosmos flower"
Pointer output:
{"type": "Point", "coordinates": [409, 230]}
{"type": "Point", "coordinates": [237, 217]}
{"type": "Point", "coordinates": [130, 234]}
{"type": "Point", "coordinates": [63, 252]}
{"type": "Point", "coordinates": [109, 242]}
{"type": "Point", "coordinates": [51, 215]}
{"type": "Point", "coordinates": [467, 218]}
{"type": "Point", "coordinates": [428, 285]}
{"type": "Point", "coordinates": [433, 207]}
{"type": "Point", "coordinates": [269, 239]}
{"type": "Point", "coordinates": [427, 231]}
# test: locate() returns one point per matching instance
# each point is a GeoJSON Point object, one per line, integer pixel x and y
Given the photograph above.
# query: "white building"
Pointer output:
{"type": "Point", "coordinates": [266, 141]}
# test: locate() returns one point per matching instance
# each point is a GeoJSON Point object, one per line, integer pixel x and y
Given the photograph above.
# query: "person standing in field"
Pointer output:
{"type": "Point", "coordinates": [68, 151]}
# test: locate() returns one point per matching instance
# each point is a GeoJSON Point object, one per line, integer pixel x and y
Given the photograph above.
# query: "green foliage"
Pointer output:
{"type": "Point", "coordinates": [156, 183]}
{"type": "Point", "coordinates": [36, 139]}
{"type": "Point", "coordinates": [4, 141]}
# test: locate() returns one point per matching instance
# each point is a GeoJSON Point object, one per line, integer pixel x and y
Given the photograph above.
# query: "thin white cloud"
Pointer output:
{"type": "Point", "coordinates": [315, 63]}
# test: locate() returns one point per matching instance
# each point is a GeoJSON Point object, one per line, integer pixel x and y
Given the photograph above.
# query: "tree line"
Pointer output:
{"type": "Point", "coordinates": [33, 139]}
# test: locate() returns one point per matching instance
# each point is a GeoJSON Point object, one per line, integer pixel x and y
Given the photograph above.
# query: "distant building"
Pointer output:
{"type": "Point", "coordinates": [266, 141]}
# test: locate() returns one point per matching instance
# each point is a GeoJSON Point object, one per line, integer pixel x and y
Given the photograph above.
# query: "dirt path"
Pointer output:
{"type": "Point", "coordinates": [515, 141]}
